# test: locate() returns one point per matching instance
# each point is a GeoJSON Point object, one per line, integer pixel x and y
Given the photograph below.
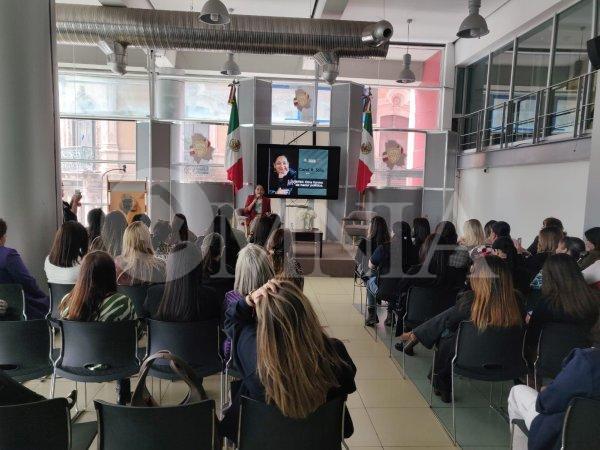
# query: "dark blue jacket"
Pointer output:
{"type": "Point", "coordinates": [580, 377]}
{"type": "Point", "coordinates": [13, 271]}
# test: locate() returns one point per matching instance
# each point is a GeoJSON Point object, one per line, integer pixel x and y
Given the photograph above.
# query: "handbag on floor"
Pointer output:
{"type": "Point", "coordinates": [142, 396]}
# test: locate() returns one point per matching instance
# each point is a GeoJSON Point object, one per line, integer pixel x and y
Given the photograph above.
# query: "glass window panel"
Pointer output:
{"type": "Point", "coordinates": [533, 58]}
{"type": "Point", "coordinates": [499, 90]}
{"type": "Point", "coordinates": [207, 100]}
{"type": "Point", "coordinates": [207, 142]}
{"type": "Point", "coordinates": [477, 85]}
{"type": "Point", "coordinates": [402, 107]}
{"type": "Point", "coordinates": [292, 103]}
{"type": "Point", "coordinates": [103, 96]}
{"type": "Point", "coordinates": [396, 161]}
{"type": "Point", "coordinates": [88, 149]}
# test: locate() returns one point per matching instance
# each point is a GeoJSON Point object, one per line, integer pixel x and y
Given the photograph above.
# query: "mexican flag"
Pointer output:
{"type": "Point", "coordinates": [366, 160]}
{"type": "Point", "coordinates": [233, 154]}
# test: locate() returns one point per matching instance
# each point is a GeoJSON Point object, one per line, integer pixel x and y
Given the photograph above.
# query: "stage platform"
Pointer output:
{"type": "Point", "coordinates": [337, 260]}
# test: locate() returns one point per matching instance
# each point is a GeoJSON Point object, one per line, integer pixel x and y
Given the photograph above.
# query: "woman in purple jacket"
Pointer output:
{"type": "Point", "coordinates": [13, 271]}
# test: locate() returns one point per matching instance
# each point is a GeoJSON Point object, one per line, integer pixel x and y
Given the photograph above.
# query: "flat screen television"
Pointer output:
{"type": "Point", "coordinates": [298, 171]}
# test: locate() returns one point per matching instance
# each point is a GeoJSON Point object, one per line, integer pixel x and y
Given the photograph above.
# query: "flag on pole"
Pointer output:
{"type": "Point", "coordinates": [233, 154]}
{"type": "Point", "coordinates": [366, 160]}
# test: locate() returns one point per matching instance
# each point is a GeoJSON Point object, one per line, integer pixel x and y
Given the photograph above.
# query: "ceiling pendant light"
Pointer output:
{"type": "Point", "coordinates": [474, 25]}
{"type": "Point", "coordinates": [214, 12]}
{"type": "Point", "coordinates": [230, 67]}
{"type": "Point", "coordinates": [407, 75]}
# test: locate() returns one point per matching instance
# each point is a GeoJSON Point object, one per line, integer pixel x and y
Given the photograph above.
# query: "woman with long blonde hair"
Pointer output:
{"type": "Point", "coordinates": [492, 302]}
{"type": "Point", "coordinates": [137, 263]}
{"type": "Point", "coordinates": [473, 235]}
{"type": "Point", "coordinates": [285, 357]}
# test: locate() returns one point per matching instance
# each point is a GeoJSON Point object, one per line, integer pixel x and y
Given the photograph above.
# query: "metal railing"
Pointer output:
{"type": "Point", "coordinates": [561, 111]}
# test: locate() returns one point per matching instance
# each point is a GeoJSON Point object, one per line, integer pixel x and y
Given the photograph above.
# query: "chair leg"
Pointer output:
{"type": "Point", "coordinates": [453, 410]}
{"type": "Point", "coordinates": [512, 435]}
{"type": "Point", "coordinates": [52, 384]}
{"type": "Point", "coordinates": [432, 378]}
{"type": "Point", "coordinates": [491, 395]}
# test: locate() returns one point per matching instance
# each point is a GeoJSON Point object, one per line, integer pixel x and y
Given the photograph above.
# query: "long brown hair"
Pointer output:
{"type": "Point", "coordinates": [69, 246]}
{"type": "Point", "coordinates": [279, 247]}
{"type": "Point", "coordinates": [296, 362]}
{"type": "Point", "coordinates": [548, 239]}
{"type": "Point", "coordinates": [566, 290]}
{"type": "Point", "coordinates": [97, 280]}
{"type": "Point", "coordinates": [495, 303]}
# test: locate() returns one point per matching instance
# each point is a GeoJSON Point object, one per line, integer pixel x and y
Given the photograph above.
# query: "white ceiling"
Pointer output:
{"type": "Point", "coordinates": [435, 21]}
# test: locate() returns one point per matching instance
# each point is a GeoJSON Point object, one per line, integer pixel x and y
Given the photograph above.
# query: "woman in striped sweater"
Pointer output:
{"type": "Point", "coordinates": [95, 299]}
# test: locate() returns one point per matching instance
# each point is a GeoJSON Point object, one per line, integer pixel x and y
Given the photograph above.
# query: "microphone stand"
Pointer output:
{"type": "Point", "coordinates": [120, 169]}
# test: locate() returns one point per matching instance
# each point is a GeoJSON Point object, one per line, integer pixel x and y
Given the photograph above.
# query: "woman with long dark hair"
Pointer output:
{"type": "Point", "coordinates": [68, 248]}
{"type": "Point", "coordinates": [492, 302]}
{"type": "Point", "coordinates": [184, 298]}
{"type": "Point", "coordinates": [180, 230]}
{"type": "Point", "coordinates": [95, 299]}
{"type": "Point", "coordinates": [285, 357]}
{"type": "Point", "coordinates": [222, 226]}
{"type": "Point", "coordinates": [95, 219]}
{"type": "Point", "coordinates": [592, 246]}
{"type": "Point", "coordinates": [377, 234]}
{"type": "Point", "coordinates": [421, 229]}
{"type": "Point", "coordinates": [111, 236]}
{"type": "Point", "coordinates": [279, 248]}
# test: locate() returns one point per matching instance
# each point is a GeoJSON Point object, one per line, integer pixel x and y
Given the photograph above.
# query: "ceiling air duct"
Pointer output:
{"type": "Point", "coordinates": [329, 62]}
{"type": "Point", "coordinates": [183, 30]}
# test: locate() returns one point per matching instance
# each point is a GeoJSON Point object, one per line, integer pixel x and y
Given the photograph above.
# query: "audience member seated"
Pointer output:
{"type": "Point", "coordinates": [95, 299]}
{"type": "Point", "coordinates": [544, 412]}
{"type": "Point", "coordinates": [492, 302]}
{"type": "Point", "coordinates": [421, 230]}
{"type": "Point", "coordinates": [256, 205]}
{"type": "Point", "coordinates": [215, 273]}
{"type": "Point", "coordinates": [68, 248]}
{"type": "Point", "coordinates": [547, 223]}
{"type": "Point", "coordinates": [222, 226]}
{"type": "Point", "coordinates": [548, 239]}
{"type": "Point", "coordinates": [448, 238]}
{"type": "Point", "coordinates": [504, 248]}
{"type": "Point", "coordinates": [137, 264]}
{"type": "Point", "coordinates": [161, 233]}
{"type": "Point", "coordinates": [284, 356]}
{"type": "Point", "coordinates": [473, 237]}
{"type": "Point", "coordinates": [280, 250]}
{"type": "Point", "coordinates": [488, 230]}
{"type": "Point", "coordinates": [262, 228]}
{"type": "Point", "coordinates": [184, 298]}
{"type": "Point", "coordinates": [70, 208]}
{"type": "Point", "coordinates": [228, 212]}
{"type": "Point", "coordinates": [568, 245]}
{"type": "Point", "coordinates": [180, 231]}
{"type": "Point", "coordinates": [592, 275]}
{"type": "Point", "coordinates": [592, 246]}
{"type": "Point", "coordinates": [253, 269]}
{"type": "Point", "coordinates": [499, 229]}
{"type": "Point", "coordinates": [388, 264]}
{"type": "Point", "coordinates": [13, 271]}
{"type": "Point", "coordinates": [142, 218]}
{"type": "Point", "coordinates": [377, 234]}
{"type": "Point", "coordinates": [95, 220]}
{"type": "Point", "coordinates": [111, 236]}
{"type": "Point", "coordinates": [565, 298]}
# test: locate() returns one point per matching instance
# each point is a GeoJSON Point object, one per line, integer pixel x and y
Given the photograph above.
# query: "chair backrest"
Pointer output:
{"type": "Point", "coordinates": [181, 427]}
{"type": "Point", "coordinates": [153, 299]}
{"type": "Point", "coordinates": [87, 343]}
{"type": "Point", "coordinates": [15, 297]}
{"type": "Point", "coordinates": [365, 216]}
{"type": "Point", "coordinates": [582, 422]}
{"type": "Point", "coordinates": [43, 424]}
{"type": "Point", "coordinates": [555, 343]}
{"type": "Point", "coordinates": [137, 293]}
{"type": "Point", "coordinates": [57, 293]}
{"type": "Point", "coordinates": [422, 303]}
{"type": "Point", "coordinates": [24, 345]}
{"type": "Point", "coordinates": [495, 354]}
{"type": "Point", "coordinates": [263, 427]}
{"type": "Point", "coordinates": [197, 343]}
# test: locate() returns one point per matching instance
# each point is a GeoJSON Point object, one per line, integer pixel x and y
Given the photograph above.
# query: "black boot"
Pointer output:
{"type": "Point", "coordinates": [389, 320]}
{"type": "Point", "coordinates": [124, 391]}
{"type": "Point", "coordinates": [372, 318]}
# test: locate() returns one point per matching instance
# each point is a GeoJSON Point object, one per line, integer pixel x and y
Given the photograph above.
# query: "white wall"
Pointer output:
{"type": "Point", "coordinates": [524, 195]}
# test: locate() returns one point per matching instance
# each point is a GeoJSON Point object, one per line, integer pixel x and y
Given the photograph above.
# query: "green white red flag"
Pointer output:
{"type": "Point", "coordinates": [233, 154]}
{"type": "Point", "coordinates": [366, 160]}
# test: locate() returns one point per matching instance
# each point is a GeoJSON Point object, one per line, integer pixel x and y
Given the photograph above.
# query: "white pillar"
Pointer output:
{"type": "Point", "coordinates": [29, 185]}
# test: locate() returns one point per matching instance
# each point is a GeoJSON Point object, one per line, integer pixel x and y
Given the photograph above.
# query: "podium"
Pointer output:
{"type": "Point", "coordinates": [129, 197]}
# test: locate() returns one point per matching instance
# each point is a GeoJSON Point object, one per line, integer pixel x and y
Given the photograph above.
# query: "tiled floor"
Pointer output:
{"type": "Point", "coordinates": [388, 411]}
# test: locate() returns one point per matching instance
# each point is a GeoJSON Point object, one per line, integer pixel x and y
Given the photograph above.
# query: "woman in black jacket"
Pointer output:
{"type": "Point", "coordinates": [284, 356]}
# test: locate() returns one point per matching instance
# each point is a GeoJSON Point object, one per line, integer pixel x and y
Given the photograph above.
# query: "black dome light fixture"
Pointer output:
{"type": "Point", "coordinates": [474, 25]}
{"type": "Point", "coordinates": [407, 75]}
{"type": "Point", "coordinates": [214, 12]}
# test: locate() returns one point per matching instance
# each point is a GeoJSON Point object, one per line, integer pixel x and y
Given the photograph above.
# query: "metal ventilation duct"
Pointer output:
{"type": "Point", "coordinates": [182, 30]}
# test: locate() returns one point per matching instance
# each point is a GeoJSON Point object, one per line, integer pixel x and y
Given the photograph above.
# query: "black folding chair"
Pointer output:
{"type": "Point", "coordinates": [197, 343]}
{"type": "Point", "coordinates": [153, 299]}
{"type": "Point", "coordinates": [360, 283]}
{"type": "Point", "coordinates": [263, 427]}
{"type": "Point", "coordinates": [495, 354]}
{"type": "Point", "coordinates": [555, 343]}
{"type": "Point", "coordinates": [181, 427]}
{"type": "Point", "coordinates": [96, 352]}
{"type": "Point", "coordinates": [44, 424]}
{"type": "Point", "coordinates": [25, 349]}
{"type": "Point", "coordinates": [137, 294]}
{"type": "Point", "coordinates": [15, 297]}
{"type": "Point", "coordinates": [582, 422]}
{"type": "Point", "coordinates": [57, 293]}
